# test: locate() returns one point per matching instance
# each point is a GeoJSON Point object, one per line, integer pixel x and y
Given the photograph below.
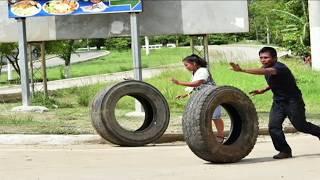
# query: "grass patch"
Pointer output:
{"type": "Point", "coordinates": [115, 62]}
{"type": "Point", "coordinates": [122, 61]}
{"type": "Point", "coordinates": [307, 80]}
{"type": "Point", "coordinates": [71, 116]}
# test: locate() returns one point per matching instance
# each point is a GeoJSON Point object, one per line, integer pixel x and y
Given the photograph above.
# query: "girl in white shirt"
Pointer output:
{"type": "Point", "coordinates": [201, 76]}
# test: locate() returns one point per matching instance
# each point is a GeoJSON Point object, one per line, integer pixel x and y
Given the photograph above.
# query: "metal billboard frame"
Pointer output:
{"type": "Point", "coordinates": [22, 41]}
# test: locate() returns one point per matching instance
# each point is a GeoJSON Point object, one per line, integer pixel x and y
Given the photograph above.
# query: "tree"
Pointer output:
{"type": "Point", "coordinates": [11, 52]}
{"type": "Point", "coordinates": [63, 49]}
{"type": "Point", "coordinates": [281, 22]}
{"type": "Point", "coordinates": [295, 31]}
{"type": "Point", "coordinates": [263, 22]}
{"type": "Point", "coordinates": [118, 43]}
{"type": "Point", "coordinates": [97, 43]}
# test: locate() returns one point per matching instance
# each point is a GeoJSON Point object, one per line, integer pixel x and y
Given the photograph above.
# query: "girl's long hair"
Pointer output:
{"type": "Point", "coordinates": [193, 58]}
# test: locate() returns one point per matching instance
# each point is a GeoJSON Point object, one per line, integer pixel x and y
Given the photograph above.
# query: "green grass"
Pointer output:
{"type": "Point", "coordinates": [69, 112]}
{"type": "Point", "coordinates": [121, 2]}
{"type": "Point", "coordinates": [116, 62]}
{"type": "Point", "coordinates": [307, 80]}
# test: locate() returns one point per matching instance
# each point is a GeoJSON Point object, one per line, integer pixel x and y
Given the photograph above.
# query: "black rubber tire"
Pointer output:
{"type": "Point", "coordinates": [156, 109]}
{"type": "Point", "coordinates": [197, 124]}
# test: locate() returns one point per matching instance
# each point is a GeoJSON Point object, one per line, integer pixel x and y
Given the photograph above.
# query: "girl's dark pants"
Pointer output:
{"type": "Point", "coordinates": [295, 111]}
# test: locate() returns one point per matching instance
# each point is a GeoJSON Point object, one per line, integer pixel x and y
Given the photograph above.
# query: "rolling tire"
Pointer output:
{"type": "Point", "coordinates": [197, 124]}
{"type": "Point", "coordinates": [155, 107]}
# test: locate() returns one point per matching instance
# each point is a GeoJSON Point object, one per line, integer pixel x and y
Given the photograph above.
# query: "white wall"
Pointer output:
{"type": "Point", "coordinates": [314, 17]}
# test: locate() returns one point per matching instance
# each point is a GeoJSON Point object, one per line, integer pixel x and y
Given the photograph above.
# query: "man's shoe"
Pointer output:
{"type": "Point", "coordinates": [282, 155]}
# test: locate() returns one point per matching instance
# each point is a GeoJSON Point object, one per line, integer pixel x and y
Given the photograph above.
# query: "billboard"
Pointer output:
{"type": "Point", "coordinates": [159, 17]}
{"type": "Point", "coordinates": [33, 8]}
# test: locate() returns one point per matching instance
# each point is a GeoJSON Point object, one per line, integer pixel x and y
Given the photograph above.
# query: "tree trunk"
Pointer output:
{"type": "Point", "coordinates": [67, 59]}
{"type": "Point", "coordinates": [67, 71]}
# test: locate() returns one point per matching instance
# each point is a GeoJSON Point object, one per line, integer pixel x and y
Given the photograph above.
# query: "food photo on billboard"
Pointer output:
{"type": "Point", "coordinates": [33, 8]}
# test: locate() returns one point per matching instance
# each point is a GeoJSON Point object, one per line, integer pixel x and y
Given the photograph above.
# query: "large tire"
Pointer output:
{"type": "Point", "coordinates": [155, 107]}
{"type": "Point", "coordinates": [197, 124]}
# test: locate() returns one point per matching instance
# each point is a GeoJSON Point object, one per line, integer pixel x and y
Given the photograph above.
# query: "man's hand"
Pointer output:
{"type": "Point", "coordinates": [255, 92]}
{"type": "Point", "coordinates": [175, 81]}
{"type": "Point", "coordinates": [235, 67]}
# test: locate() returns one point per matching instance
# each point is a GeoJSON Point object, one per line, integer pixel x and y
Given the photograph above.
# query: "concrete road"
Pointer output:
{"type": "Point", "coordinates": [53, 60]}
{"type": "Point", "coordinates": [238, 52]}
{"type": "Point", "coordinates": [163, 162]}
{"type": "Point", "coordinates": [82, 81]}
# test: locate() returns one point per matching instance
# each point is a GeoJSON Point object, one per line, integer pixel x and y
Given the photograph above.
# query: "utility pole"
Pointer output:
{"type": "Point", "coordinates": [25, 89]}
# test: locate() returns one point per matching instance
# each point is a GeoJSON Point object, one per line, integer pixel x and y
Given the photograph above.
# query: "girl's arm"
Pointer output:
{"type": "Point", "coordinates": [189, 84]}
{"type": "Point", "coordinates": [260, 91]}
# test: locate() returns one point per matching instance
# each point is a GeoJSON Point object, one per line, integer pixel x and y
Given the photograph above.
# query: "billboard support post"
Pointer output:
{"type": "Point", "coordinates": [23, 62]}
{"type": "Point", "coordinates": [206, 49]}
{"type": "Point", "coordinates": [201, 49]}
{"type": "Point", "coordinates": [44, 69]}
{"type": "Point", "coordinates": [135, 46]}
{"type": "Point", "coordinates": [136, 53]}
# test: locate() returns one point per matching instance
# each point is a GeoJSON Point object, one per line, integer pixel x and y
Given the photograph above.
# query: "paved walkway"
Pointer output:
{"type": "Point", "coordinates": [14, 91]}
{"type": "Point", "coordinates": [77, 57]}
{"type": "Point", "coordinates": [157, 162]}
{"type": "Point", "coordinates": [83, 81]}
{"type": "Point", "coordinates": [238, 53]}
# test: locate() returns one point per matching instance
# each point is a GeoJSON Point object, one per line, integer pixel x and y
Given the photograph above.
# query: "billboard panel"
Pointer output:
{"type": "Point", "coordinates": [159, 17]}
{"type": "Point", "coordinates": [33, 8]}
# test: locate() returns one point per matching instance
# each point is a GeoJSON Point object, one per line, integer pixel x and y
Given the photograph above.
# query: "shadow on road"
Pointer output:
{"type": "Point", "coordinates": [268, 159]}
{"type": "Point", "coordinates": [307, 156]}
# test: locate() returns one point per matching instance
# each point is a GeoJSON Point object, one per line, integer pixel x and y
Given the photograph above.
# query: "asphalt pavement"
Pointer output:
{"type": "Point", "coordinates": [158, 161]}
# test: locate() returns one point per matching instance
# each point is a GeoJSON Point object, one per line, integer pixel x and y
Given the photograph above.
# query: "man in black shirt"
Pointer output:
{"type": "Point", "coordinates": [287, 100]}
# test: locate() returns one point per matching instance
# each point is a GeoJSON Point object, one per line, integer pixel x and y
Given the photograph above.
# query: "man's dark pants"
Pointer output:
{"type": "Point", "coordinates": [295, 111]}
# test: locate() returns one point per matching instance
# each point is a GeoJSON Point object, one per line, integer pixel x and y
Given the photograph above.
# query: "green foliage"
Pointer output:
{"type": "Point", "coordinates": [62, 48]}
{"type": "Point", "coordinates": [61, 72]}
{"type": "Point", "coordinates": [41, 100]}
{"type": "Point", "coordinates": [80, 95]}
{"type": "Point", "coordinates": [86, 94]}
{"type": "Point", "coordinates": [97, 43]}
{"type": "Point", "coordinates": [163, 39]}
{"type": "Point", "coordinates": [124, 43]}
{"type": "Point", "coordinates": [10, 51]}
{"type": "Point", "coordinates": [52, 101]}
{"type": "Point", "coordinates": [219, 39]}
{"type": "Point", "coordinates": [7, 48]}
{"type": "Point", "coordinates": [119, 43]}
{"type": "Point", "coordinates": [286, 22]}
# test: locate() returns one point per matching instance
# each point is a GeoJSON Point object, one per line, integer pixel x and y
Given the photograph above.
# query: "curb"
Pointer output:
{"type": "Point", "coordinates": [167, 138]}
{"type": "Point", "coordinates": [21, 139]}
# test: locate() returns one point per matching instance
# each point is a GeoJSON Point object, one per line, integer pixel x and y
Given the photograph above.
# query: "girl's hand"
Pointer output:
{"type": "Point", "coordinates": [175, 81]}
{"type": "Point", "coordinates": [235, 67]}
{"type": "Point", "coordinates": [182, 96]}
{"type": "Point", "coordinates": [255, 92]}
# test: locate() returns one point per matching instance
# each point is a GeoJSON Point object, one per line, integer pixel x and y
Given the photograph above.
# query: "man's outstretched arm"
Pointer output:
{"type": "Point", "coordinates": [260, 91]}
{"type": "Point", "coordinates": [256, 71]}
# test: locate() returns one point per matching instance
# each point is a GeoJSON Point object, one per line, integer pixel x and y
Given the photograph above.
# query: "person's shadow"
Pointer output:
{"type": "Point", "coordinates": [267, 159]}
